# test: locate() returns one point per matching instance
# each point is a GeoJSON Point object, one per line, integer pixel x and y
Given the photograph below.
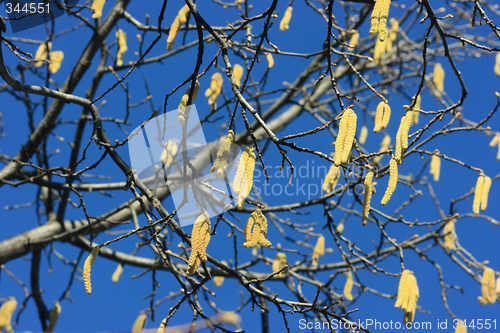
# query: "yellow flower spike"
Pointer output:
{"type": "Point", "coordinates": [96, 8]}
{"type": "Point", "coordinates": [393, 180]}
{"type": "Point", "coordinates": [363, 135]}
{"type": "Point", "coordinates": [340, 228]}
{"type": "Point", "coordinates": [449, 235]}
{"type": "Point", "coordinates": [54, 315]}
{"type": "Point", "coordinates": [174, 30]}
{"type": "Point", "coordinates": [200, 237]}
{"type": "Point", "coordinates": [497, 286]}
{"type": "Point", "coordinates": [402, 137]}
{"type": "Point", "coordinates": [413, 295]}
{"type": "Point", "coordinates": [219, 280]}
{"type": "Point", "coordinates": [384, 145]}
{"type": "Point", "coordinates": [384, 15]}
{"type": "Point", "coordinates": [379, 113]}
{"type": "Point", "coordinates": [319, 250]}
{"type": "Point", "coordinates": [168, 154]}
{"type": "Point", "coordinates": [42, 53]}
{"type": "Point", "coordinates": [497, 64]}
{"type": "Point", "coordinates": [270, 60]}
{"type": "Point", "coordinates": [258, 236]}
{"type": "Point", "coordinates": [348, 287]}
{"type": "Point", "coordinates": [377, 8]}
{"type": "Point", "coordinates": [402, 295]}
{"type": "Point", "coordinates": [368, 197]}
{"type": "Point", "coordinates": [215, 89]}
{"type": "Point", "coordinates": [238, 73]}
{"type": "Point", "coordinates": [485, 192]}
{"type": "Point", "coordinates": [438, 79]}
{"type": "Point", "coordinates": [183, 13]}
{"type": "Point", "coordinates": [56, 59]}
{"type": "Point", "coordinates": [86, 269]}
{"type": "Point", "coordinates": [478, 194]}
{"type": "Point", "coordinates": [382, 116]}
{"type": "Point", "coordinates": [393, 33]}
{"type": "Point", "coordinates": [255, 250]}
{"type": "Point", "coordinates": [331, 179]}
{"type": "Point", "coordinates": [286, 19]}
{"type": "Point", "coordinates": [435, 166]}
{"type": "Point", "coordinates": [488, 286]}
{"type": "Point", "coordinates": [345, 137]}
{"type": "Point", "coordinates": [243, 180]}
{"type": "Point", "coordinates": [6, 312]}
{"type": "Point", "coordinates": [415, 114]}
{"type": "Point", "coordinates": [461, 328]}
{"type": "Point", "coordinates": [118, 272]}
{"type": "Point", "coordinates": [122, 46]}
{"type": "Point", "coordinates": [139, 323]}
{"type": "Point", "coordinates": [354, 40]}
{"type": "Point", "coordinates": [184, 100]}
{"type": "Point", "coordinates": [279, 261]}
{"type": "Point", "coordinates": [496, 139]}
{"type": "Point", "coordinates": [379, 51]}
{"type": "Point", "coordinates": [223, 156]}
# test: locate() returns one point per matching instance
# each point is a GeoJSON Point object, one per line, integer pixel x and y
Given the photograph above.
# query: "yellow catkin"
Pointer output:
{"type": "Point", "coordinates": [461, 328]}
{"type": "Point", "coordinates": [279, 261]}
{"type": "Point", "coordinates": [168, 154]}
{"type": "Point", "coordinates": [6, 312]}
{"type": "Point", "coordinates": [497, 286]}
{"type": "Point", "coordinates": [497, 64]}
{"type": "Point", "coordinates": [286, 19]}
{"type": "Point", "coordinates": [340, 228]}
{"type": "Point", "coordinates": [331, 179]}
{"type": "Point", "coordinates": [415, 114]}
{"type": "Point", "coordinates": [438, 79]}
{"type": "Point", "coordinates": [368, 197]}
{"type": "Point", "coordinates": [393, 33]}
{"type": "Point", "coordinates": [139, 324]}
{"type": "Point", "coordinates": [348, 287]}
{"type": "Point", "coordinates": [184, 100]}
{"type": "Point", "coordinates": [485, 192]}
{"type": "Point", "coordinates": [393, 180]}
{"type": "Point", "coordinates": [54, 315]}
{"type": "Point", "coordinates": [183, 13]}
{"type": "Point", "coordinates": [96, 8]}
{"type": "Point", "coordinates": [363, 135]}
{"type": "Point", "coordinates": [412, 292]}
{"type": "Point", "coordinates": [215, 89]}
{"type": "Point", "coordinates": [435, 166]}
{"type": "Point", "coordinates": [354, 40]}
{"type": "Point", "coordinates": [384, 145]}
{"type": "Point", "coordinates": [379, 51]}
{"type": "Point", "coordinates": [402, 296]}
{"type": "Point", "coordinates": [56, 59]}
{"type": "Point", "coordinates": [258, 235]}
{"type": "Point", "coordinates": [270, 60]}
{"type": "Point", "coordinates": [478, 194]}
{"type": "Point", "coordinates": [449, 235]}
{"type": "Point", "coordinates": [345, 137]}
{"type": "Point", "coordinates": [223, 156]}
{"type": "Point", "coordinates": [219, 280]}
{"type": "Point", "coordinates": [118, 272]}
{"type": "Point", "coordinates": [379, 18]}
{"type": "Point", "coordinates": [402, 137]}
{"type": "Point", "coordinates": [122, 46]}
{"type": "Point", "coordinates": [42, 53]}
{"type": "Point", "coordinates": [495, 140]}
{"type": "Point", "coordinates": [174, 30]}
{"type": "Point", "coordinates": [238, 73]}
{"type": "Point", "coordinates": [243, 180]}
{"type": "Point", "coordinates": [200, 237]}
{"type": "Point", "coordinates": [488, 286]}
{"type": "Point", "coordinates": [319, 250]}
{"type": "Point", "coordinates": [86, 269]}
{"type": "Point", "coordinates": [382, 116]}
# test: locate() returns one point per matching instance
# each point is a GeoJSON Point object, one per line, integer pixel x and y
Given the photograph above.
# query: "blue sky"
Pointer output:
{"type": "Point", "coordinates": [114, 307]}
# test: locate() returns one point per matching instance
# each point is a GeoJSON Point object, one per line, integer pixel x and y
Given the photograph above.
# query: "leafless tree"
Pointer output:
{"type": "Point", "coordinates": [340, 75]}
